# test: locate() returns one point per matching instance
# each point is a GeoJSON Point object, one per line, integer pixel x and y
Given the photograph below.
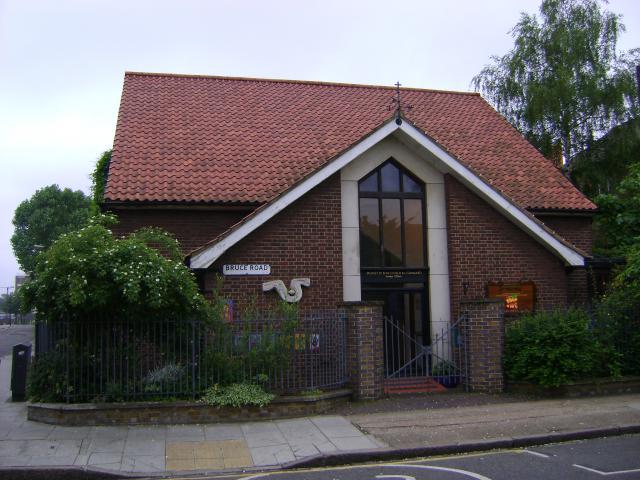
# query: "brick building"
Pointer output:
{"type": "Point", "coordinates": [422, 209]}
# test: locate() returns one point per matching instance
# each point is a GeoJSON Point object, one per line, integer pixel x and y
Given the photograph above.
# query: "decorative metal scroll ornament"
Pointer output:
{"type": "Point", "coordinates": [294, 294]}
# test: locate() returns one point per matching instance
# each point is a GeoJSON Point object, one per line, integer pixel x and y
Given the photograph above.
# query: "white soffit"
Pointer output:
{"type": "Point", "coordinates": [448, 163]}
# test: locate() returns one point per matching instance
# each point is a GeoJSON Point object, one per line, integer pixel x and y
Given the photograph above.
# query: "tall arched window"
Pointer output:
{"type": "Point", "coordinates": [392, 218]}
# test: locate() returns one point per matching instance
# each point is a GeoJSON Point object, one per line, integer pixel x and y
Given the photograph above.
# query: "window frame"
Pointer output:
{"type": "Point", "coordinates": [379, 195]}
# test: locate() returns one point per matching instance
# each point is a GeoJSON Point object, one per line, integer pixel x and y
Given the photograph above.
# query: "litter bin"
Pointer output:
{"type": "Point", "coordinates": [21, 360]}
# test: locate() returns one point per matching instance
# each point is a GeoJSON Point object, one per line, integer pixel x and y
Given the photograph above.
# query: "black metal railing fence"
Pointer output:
{"type": "Point", "coordinates": [104, 360]}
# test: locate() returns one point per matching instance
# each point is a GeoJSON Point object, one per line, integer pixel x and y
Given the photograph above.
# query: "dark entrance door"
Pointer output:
{"type": "Point", "coordinates": [393, 262]}
{"type": "Point", "coordinates": [406, 330]}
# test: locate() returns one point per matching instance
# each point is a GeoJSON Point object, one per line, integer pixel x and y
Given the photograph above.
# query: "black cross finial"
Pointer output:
{"type": "Point", "coordinates": [399, 107]}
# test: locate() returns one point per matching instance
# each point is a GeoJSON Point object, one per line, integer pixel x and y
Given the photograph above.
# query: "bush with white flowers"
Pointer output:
{"type": "Point", "coordinates": [91, 274]}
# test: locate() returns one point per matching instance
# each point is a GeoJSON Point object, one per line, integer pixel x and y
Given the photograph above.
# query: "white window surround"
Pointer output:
{"type": "Point", "coordinates": [418, 141]}
{"type": "Point", "coordinates": [436, 227]}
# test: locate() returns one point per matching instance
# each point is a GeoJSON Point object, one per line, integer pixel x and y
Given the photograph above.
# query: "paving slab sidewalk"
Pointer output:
{"type": "Point", "coordinates": [179, 448]}
{"type": "Point", "coordinates": [509, 420]}
{"type": "Point", "coordinates": [353, 436]}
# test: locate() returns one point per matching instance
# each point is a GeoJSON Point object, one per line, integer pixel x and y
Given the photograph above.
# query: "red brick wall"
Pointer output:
{"type": "Point", "coordinates": [578, 287]}
{"type": "Point", "coordinates": [484, 246]}
{"type": "Point", "coordinates": [193, 228]}
{"type": "Point", "coordinates": [578, 231]}
{"type": "Point", "coordinates": [304, 240]}
{"type": "Point", "coordinates": [574, 229]}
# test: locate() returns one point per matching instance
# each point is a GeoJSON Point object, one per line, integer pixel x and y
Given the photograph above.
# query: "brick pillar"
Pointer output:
{"type": "Point", "coordinates": [365, 349]}
{"type": "Point", "coordinates": [484, 324]}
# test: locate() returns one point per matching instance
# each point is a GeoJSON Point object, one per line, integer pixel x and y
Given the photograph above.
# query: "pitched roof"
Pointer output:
{"type": "Point", "coordinates": [186, 138]}
{"type": "Point", "coordinates": [205, 255]}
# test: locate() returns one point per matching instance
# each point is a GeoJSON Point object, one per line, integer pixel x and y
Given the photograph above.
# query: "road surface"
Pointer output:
{"type": "Point", "coordinates": [14, 334]}
{"type": "Point", "coordinates": [612, 458]}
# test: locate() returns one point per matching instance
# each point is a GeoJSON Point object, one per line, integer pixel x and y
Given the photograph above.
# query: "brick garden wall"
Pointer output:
{"type": "Point", "coordinates": [484, 246]}
{"type": "Point", "coordinates": [181, 412]}
{"type": "Point", "coordinates": [304, 240]}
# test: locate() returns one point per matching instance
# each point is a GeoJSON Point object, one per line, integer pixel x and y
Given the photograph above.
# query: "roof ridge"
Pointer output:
{"type": "Point", "coordinates": [296, 82]}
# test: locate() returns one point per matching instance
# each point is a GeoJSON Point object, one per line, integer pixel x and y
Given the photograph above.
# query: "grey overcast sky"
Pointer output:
{"type": "Point", "coordinates": [62, 64]}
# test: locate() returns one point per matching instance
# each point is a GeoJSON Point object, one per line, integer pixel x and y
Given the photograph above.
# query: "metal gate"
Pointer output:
{"type": "Point", "coordinates": [445, 358]}
{"type": "Point", "coordinates": [403, 355]}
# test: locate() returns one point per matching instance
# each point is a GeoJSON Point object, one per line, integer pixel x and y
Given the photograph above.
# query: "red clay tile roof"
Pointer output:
{"type": "Point", "coordinates": [184, 138]}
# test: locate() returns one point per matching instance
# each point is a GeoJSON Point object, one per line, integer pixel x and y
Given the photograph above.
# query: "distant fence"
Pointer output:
{"type": "Point", "coordinates": [101, 360]}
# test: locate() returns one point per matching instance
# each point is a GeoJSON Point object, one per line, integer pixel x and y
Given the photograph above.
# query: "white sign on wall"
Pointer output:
{"type": "Point", "coordinates": [247, 269]}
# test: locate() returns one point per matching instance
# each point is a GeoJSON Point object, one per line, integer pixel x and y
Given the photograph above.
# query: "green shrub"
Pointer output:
{"type": "Point", "coordinates": [553, 348]}
{"type": "Point", "coordinates": [618, 312]}
{"type": "Point", "coordinates": [261, 345]}
{"type": "Point", "coordinates": [237, 395]}
{"type": "Point", "coordinates": [91, 274]}
{"type": "Point", "coordinates": [46, 378]}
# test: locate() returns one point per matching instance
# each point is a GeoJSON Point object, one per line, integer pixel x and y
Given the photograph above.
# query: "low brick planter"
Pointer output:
{"type": "Point", "coordinates": [153, 413]}
{"type": "Point", "coordinates": [582, 388]}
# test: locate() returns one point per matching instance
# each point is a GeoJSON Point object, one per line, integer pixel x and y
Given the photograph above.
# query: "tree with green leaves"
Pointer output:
{"type": "Point", "coordinates": [9, 303]}
{"type": "Point", "coordinates": [564, 83]}
{"type": "Point", "coordinates": [41, 219]}
{"type": "Point", "coordinates": [601, 167]}
{"type": "Point", "coordinates": [617, 225]}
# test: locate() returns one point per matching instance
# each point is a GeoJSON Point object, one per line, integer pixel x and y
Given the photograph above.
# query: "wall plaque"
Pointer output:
{"type": "Point", "coordinates": [247, 269]}
{"type": "Point", "coordinates": [518, 297]}
{"type": "Point", "coordinates": [390, 275]}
